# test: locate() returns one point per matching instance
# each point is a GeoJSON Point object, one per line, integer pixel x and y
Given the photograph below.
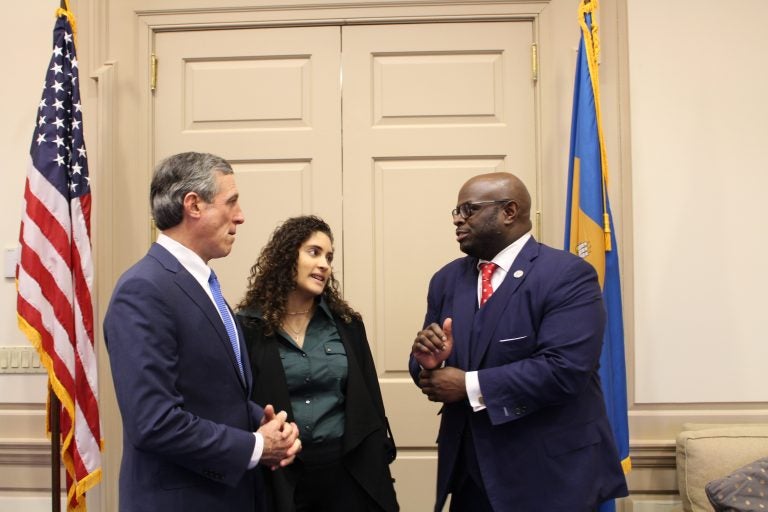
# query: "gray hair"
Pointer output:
{"type": "Point", "coordinates": [177, 176]}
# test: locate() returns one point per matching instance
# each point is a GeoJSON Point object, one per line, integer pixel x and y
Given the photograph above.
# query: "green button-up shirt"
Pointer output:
{"type": "Point", "coordinates": [317, 377]}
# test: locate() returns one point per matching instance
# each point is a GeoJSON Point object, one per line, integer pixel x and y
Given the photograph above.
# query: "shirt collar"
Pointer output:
{"type": "Point", "coordinates": [188, 258]}
{"type": "Point", "coordinates": [324, 307]}
{"type": "Point", "coordinates": [506, 257]}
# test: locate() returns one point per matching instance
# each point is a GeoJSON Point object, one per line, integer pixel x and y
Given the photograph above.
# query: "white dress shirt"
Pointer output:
{"type": "Point", "coordinates": [503, 261]}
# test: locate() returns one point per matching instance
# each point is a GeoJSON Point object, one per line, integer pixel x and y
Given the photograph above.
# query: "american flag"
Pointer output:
{"type": "Point", "coordinates": [55, 272]}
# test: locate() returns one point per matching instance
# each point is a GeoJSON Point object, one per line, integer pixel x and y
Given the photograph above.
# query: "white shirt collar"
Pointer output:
{"type": "Point", "coordinates": [188, 258]}
{"type": "Point", "coordinates": [506, 257]}
{"type": "Point", "coordinates": [195, 265]}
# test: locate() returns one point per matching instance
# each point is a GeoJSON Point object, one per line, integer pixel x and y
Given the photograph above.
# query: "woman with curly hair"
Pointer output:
{"type": "Point", "coordinates": [310, 357]}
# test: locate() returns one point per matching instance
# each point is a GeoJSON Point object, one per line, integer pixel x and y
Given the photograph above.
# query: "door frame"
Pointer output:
{"type": "Point", "coordinates": [119, 37]}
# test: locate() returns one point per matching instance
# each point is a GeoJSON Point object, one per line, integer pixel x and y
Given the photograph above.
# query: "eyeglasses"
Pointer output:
{"type": "Point", "coordinates": [466, 210]}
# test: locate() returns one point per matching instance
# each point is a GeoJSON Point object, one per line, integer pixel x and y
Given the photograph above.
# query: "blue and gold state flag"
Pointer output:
{"type": "Point", "coordinates": [589, 226]}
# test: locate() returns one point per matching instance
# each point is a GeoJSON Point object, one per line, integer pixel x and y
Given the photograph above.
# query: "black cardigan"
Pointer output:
{"type": "Point", "coordinates": [364, 444]}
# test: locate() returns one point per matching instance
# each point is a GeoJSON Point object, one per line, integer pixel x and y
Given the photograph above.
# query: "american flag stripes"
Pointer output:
{"type": "Point", "coordinates": [55, 271]}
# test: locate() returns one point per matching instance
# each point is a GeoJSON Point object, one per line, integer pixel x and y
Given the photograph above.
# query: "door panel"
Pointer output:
{"type": "Point", "coordinates": [422, 108]}
{"type": "Point", "coordinates": [425, 108]}
{"type": "Point", "coordinates": [269, 101]}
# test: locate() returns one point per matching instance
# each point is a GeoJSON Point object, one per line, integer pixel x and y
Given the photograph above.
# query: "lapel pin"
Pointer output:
{"type": "Point", "coordinates": [518, 274]}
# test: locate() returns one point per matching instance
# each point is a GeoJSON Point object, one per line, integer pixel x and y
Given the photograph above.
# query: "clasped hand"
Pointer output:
{"type": "Point", "coordinates": [281, 439]}
{"type": "Point", "coordinates": [431, 348]}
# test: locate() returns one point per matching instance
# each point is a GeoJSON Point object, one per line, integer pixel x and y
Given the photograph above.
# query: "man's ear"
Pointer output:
{"type": "Point", "coordinates": [511, 211]}
{"type": "Point", "coordinates": [192, 203]}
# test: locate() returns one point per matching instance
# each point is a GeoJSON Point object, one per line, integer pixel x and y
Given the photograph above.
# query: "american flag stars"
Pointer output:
{"type": "Point", "coordinates": [58, 139]}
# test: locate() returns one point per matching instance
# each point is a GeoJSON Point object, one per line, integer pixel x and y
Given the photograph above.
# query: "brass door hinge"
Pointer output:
{"type": "Point", "coordinates": [153, 72]}
{"type": "Point", "coordinates": [538, 225]}
{"type": "Point", "coordinates": [152, 231]}
{"type": "Point", "coordinates": [534, 62]}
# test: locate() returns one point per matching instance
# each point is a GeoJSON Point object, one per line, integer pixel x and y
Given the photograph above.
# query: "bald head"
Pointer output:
{"type": "Point", "coordinates": [501, 213]}
{"type": "Point", "coordinates": [503, 185]}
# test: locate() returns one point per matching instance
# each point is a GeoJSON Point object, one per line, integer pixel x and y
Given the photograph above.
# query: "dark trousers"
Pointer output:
{"type": "Point", "coordinates": [467, 489]}
{"type": "Point", "coordinates": [324, 485]}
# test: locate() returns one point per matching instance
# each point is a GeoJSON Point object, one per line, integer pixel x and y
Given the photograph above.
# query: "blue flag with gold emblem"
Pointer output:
{"type": "Point", "coordinates": [589, 226]}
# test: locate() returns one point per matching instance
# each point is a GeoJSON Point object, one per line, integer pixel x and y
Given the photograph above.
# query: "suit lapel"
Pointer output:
{"type": "Point", "coordinates": [498, 304]}
{"type": "Point", "coordinates": [464, 308]}
{"type": "Point", "coordinates": [243, 353]}
{"type": "Point", "coordinates": [192, 288]}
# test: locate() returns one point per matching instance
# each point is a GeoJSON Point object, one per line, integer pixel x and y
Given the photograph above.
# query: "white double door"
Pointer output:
{"type": "Point", "coordinates": [374, 128]}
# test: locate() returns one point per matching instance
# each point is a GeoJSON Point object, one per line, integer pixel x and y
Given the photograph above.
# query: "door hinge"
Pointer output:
{"type": "Point", "coordinates": [153, 72]}
{"type": "Point", "coordinates": [538, 225]}
{"type": "Point", "coordinates": [534, 62]}
{"type": "Point", "coordinates": [152, 231]}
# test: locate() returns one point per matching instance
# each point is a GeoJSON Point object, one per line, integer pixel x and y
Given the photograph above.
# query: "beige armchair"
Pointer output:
{"type": "Point", "coordinates": [706, 452]}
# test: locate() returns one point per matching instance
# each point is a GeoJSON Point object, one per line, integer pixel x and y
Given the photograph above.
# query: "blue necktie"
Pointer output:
{"type": "Point", "coordinates": [229, 324]}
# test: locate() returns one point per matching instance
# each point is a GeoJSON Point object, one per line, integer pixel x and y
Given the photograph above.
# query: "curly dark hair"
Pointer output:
{"type": "Point", "coordinates": [273, 276]}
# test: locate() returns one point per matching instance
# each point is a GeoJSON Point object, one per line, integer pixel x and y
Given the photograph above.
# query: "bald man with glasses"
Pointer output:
{"type": "Point", "coordinates": [511, 346]}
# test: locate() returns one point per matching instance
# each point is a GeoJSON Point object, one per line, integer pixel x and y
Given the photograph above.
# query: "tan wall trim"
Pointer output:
{"type": "Point", "coordinates": [25, 451]}
{"type": "Point", "coordinates": [29, 453]}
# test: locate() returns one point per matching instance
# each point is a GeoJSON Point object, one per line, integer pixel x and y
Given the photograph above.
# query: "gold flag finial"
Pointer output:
{"type": "Point", "coordinates": [64, 10]}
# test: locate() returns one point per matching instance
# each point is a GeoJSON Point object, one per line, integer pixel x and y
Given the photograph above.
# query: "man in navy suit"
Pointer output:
{"type": "Point", "coordinates": [512, 352]}
{"type": "Point", "coordinates": [190, 432]}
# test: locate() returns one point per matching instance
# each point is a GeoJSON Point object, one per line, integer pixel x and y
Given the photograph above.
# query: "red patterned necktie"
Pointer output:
{"type": "Point", "coordinates": [486, 271]}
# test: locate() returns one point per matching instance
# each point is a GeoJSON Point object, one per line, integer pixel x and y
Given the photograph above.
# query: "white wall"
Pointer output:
{"type": "Point", "coordinates": [699, 122]}
{"type": "Point", "coordinates": [27, 37]}
{"type": "Point", "coordinates": [699, 126]}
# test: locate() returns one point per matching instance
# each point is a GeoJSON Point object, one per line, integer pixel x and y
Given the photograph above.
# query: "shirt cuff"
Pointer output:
{"type": "Point", "coordinates": [258, 448]}
{"type": "Point", "coordinates": [475, 395]}
{"type": "Point", "coordinates": [442, 365]}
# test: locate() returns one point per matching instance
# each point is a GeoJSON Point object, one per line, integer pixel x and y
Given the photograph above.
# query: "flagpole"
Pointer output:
{"type": "Point", "coordinates": [54, 410]}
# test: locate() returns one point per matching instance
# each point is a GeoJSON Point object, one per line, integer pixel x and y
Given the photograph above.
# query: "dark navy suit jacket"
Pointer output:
{"type": "Point", "coordinates": [188, 422]}
{"type": "Point", "coordinates": [544, 441]}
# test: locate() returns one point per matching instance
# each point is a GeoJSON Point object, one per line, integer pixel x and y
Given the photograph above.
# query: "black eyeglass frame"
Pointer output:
{"type": "Point", "coordinates": [466, 210]}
